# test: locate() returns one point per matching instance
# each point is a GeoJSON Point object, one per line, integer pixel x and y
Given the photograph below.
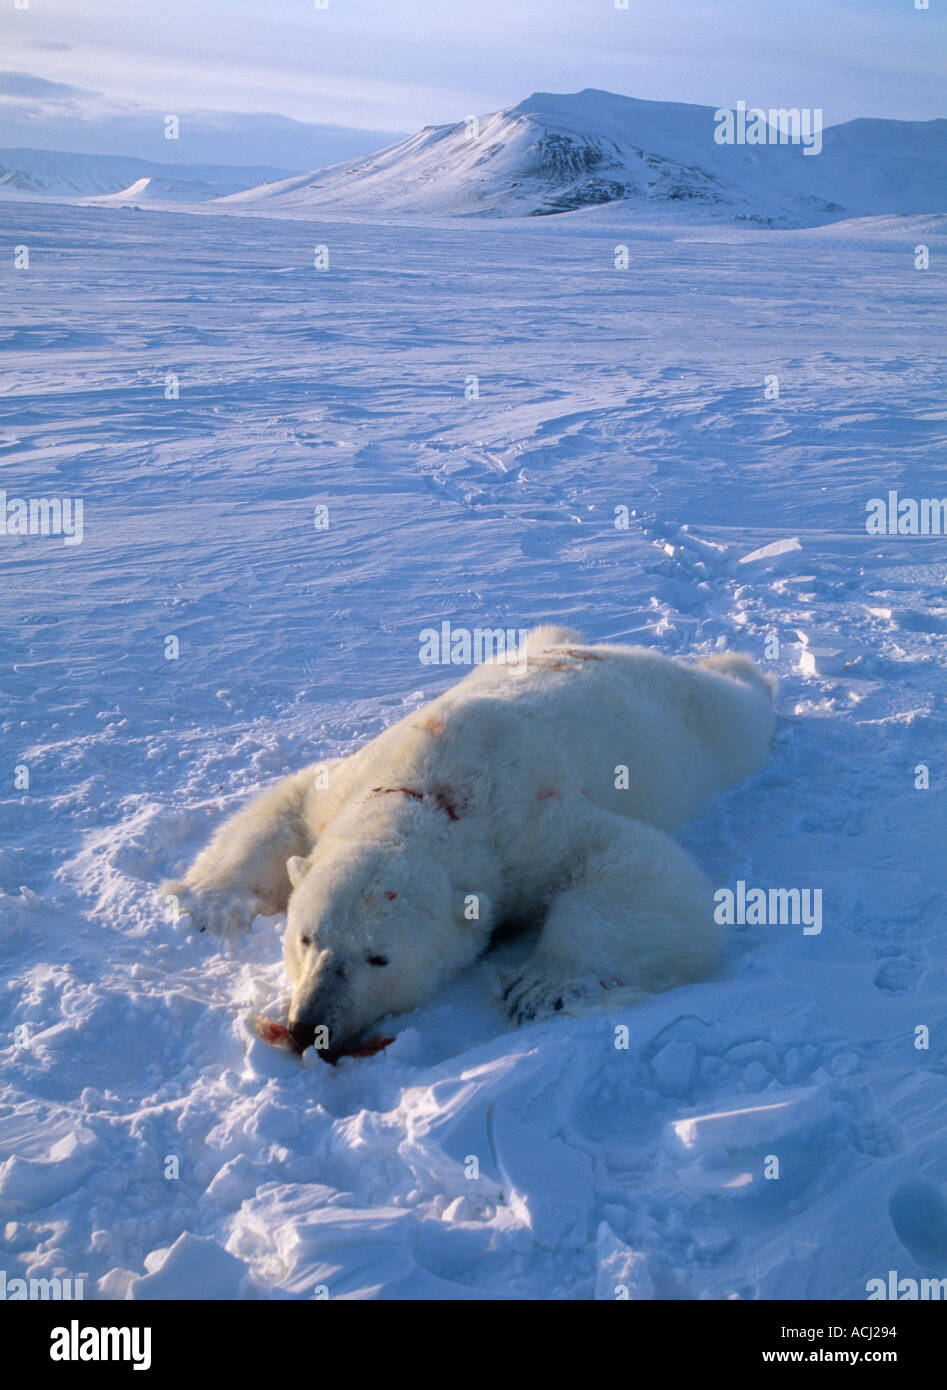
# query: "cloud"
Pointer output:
{"type": "Point", "coordinates": [41, 114]}
{"type": "Point", "coordinates": [27, 84]}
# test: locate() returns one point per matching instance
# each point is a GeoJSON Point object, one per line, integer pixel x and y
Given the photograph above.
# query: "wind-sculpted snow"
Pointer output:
{"type": "Point", "coordinates": [150, 1143]}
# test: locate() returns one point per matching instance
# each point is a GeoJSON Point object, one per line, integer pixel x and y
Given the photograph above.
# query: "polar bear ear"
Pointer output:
{"type": "Point", "coordinates": [297, 868]}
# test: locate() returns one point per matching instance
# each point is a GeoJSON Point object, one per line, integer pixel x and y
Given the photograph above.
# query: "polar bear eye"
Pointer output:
{"type": "Point", "coordinates": [306, 940]}
{"type": "Point", "coordinates": [378, 960]}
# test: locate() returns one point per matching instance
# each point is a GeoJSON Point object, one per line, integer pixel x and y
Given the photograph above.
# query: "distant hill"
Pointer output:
{"type": "Point", "coordinates": [554, 153]}
{"type": "Point", "coordinates": [52, 174]}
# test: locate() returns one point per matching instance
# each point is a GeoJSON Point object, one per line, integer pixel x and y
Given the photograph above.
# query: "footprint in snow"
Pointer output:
{"type": "Point", "coordinates": [898, 975]}
{"type": "Point", "coordinates": [918, 1211]}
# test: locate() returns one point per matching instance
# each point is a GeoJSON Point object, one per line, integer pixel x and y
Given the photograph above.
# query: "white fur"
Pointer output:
{"type": "Point", "coordinates": [498, 801]}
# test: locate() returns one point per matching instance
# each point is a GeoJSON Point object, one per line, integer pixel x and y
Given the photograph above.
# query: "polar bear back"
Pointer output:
{"type": "Point", "coordinates": [625, 729]}
{"type": "Point", "coordinates": [582, 714]}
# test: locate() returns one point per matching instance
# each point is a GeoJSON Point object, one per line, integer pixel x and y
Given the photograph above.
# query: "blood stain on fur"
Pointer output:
{"type": "Point", "coordinates": [440, 795]}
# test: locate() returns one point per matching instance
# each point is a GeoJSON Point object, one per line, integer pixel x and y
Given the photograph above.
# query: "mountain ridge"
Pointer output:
{"type": "Point", "coordinates": [557, 152]}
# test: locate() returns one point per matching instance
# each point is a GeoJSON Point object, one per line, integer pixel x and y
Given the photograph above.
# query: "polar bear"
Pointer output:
{"type": "Point", "coordinates": [540, 793]}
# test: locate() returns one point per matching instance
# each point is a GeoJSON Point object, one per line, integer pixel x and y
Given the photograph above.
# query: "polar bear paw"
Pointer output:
{"type": "Point", "coordinates": [530, 993]}
{"type": "Point", "coordinates": [212, 908]}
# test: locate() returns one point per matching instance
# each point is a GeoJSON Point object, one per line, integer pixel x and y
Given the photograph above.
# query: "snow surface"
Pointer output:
{"type": "Point", "coordinates": [598, 1167]}
{"type": "Point", "coordinates": [555, 152]}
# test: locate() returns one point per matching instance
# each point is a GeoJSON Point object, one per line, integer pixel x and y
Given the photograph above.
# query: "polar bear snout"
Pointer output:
{"type": "Point", "coordinates": [308, 1015]}
{"type": "Point", "coordinates": [303, 1034]}
{"type": "Point", "coordinates": [322, 1003]}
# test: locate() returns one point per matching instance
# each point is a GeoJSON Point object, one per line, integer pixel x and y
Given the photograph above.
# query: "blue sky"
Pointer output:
{"type": "Point", "coordinates": [400, 64]}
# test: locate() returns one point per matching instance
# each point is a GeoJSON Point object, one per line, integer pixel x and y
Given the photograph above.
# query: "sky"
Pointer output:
{"type": "Point", "coordinates": [375, 65]}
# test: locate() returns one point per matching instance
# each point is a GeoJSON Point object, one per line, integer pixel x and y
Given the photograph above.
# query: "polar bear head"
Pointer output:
{"type": "Point", "coordinates": [372, 930]}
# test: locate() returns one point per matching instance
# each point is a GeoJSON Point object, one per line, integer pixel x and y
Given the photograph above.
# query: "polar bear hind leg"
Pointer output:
{"type": "Point", "coordinates": [742, 668]}
{"type": "Point", "coordinates": [634, 910]}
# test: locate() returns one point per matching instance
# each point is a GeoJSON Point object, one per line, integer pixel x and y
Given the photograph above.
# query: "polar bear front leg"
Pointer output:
{"type": "Point", "coordinates": [242, 873]}
{"type": "Point", "coordinates": [633, 909]}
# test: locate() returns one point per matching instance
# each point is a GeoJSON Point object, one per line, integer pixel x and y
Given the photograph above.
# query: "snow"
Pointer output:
{"type": "Point", "coordinates": [776, 550]}
{"type": "Point", "coordinates": [555, 152]}
{"type": "Point", "coordinates": [150, 1143]}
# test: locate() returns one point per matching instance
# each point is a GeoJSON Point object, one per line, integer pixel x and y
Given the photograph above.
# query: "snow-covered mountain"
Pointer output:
{"type": "Point", "coordinates": [60, 174]}
{"type": "Point", "coordinates": [554, 153]}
